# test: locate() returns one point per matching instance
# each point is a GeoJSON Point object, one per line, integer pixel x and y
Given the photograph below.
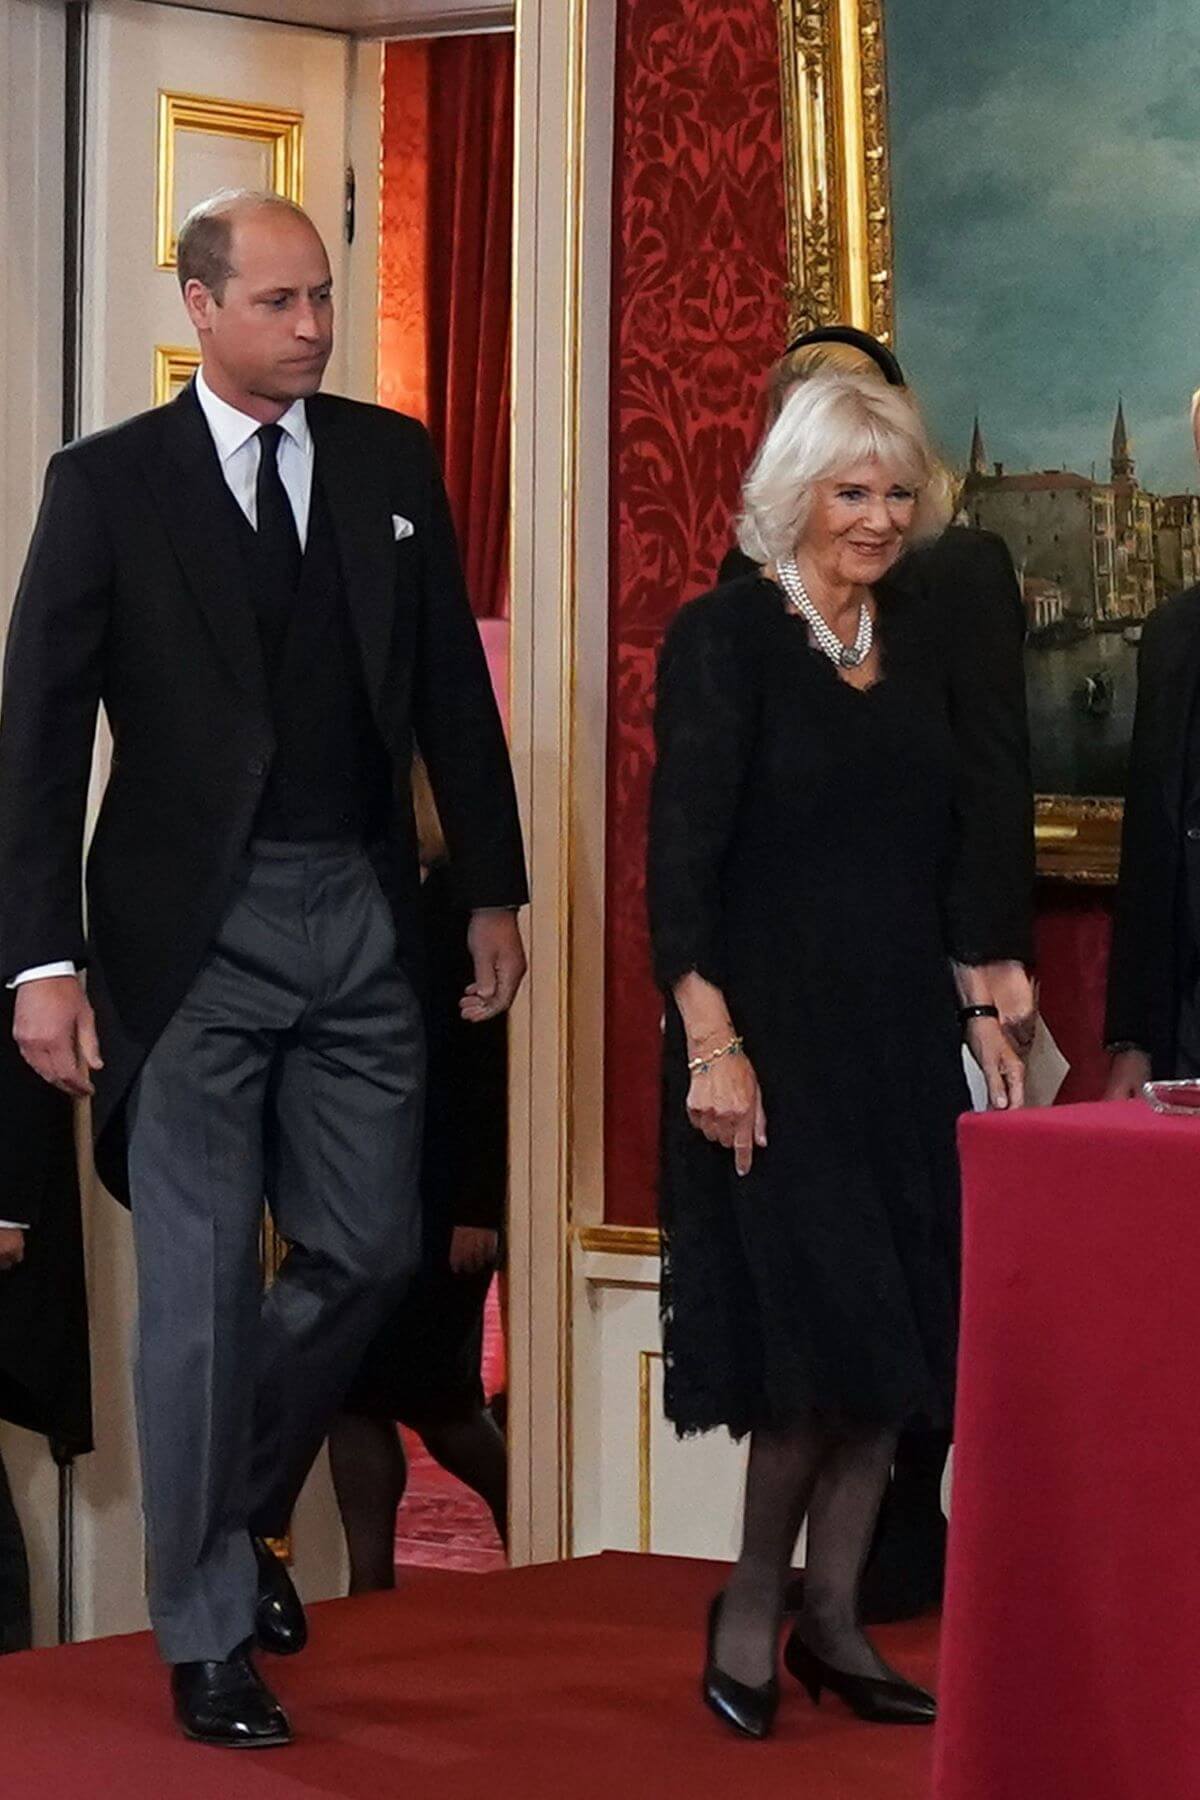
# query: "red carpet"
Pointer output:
{"type": "Point", "coordinates": [575, 1681]}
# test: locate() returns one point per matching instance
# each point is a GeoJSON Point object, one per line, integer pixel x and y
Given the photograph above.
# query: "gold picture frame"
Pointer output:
{"type": "Point", "coordinates": [278, 129]}
{"type": "Point", "coordinates": [837, 180]}
{"type": "Point", "coordinates": [174, 366]}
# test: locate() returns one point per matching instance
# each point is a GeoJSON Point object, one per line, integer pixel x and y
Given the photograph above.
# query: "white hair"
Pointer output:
{"type": "Point", "coordinates": [830, 423]}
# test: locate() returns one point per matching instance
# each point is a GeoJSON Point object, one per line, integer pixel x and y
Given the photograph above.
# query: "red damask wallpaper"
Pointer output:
{"type": "Point", "coordinates": [699, 312]}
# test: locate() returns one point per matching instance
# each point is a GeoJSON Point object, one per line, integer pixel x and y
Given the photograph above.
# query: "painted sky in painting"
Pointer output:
{"type": "Point", "coordinates": [1046, 182]}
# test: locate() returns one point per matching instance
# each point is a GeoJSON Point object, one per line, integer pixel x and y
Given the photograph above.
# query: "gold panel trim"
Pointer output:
{"type": "Point", "coordinates": [646, 1360]}
{"type": "Point", "coordinates": [620, 1240]}
{"type": "Point", "coordinates": [1078, 839]}
{"type": "Point", "coordinates": [174, 367]}
{"type": "Point", "coordinates": [281, 130]}
{"type": "Point", "coordinates": [837, 177]}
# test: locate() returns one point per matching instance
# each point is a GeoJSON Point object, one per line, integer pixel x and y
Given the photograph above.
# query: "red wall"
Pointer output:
{"type": "Point", "coordinates": [699, 312]}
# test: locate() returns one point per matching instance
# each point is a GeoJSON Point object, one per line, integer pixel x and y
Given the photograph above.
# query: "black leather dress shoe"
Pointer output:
{"type": "Point", "coordinates": [279, 1622]}
{"type": "Point", "coordinates": [228, 1704]}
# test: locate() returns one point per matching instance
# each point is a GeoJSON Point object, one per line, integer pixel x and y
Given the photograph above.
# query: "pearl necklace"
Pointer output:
{"type": "Point", "coordinates": [846, 656]}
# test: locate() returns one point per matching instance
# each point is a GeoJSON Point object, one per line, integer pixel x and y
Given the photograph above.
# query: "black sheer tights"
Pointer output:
{"type": "Point", "coordinates": [370, 1472]}
{"type": "Point", "coordinates": [837, 1481]}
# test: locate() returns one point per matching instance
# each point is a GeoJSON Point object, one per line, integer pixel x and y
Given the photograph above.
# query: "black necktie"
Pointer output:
{"type": "Point", "coordinates": [278, 539]}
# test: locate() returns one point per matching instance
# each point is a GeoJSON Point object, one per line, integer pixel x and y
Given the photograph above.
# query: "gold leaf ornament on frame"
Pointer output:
{"type": "Point", "coordinates": [837, 175]}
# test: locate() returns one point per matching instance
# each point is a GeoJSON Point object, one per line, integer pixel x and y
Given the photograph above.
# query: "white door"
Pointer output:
{"type": "Point", "coordinates": [250, 104]}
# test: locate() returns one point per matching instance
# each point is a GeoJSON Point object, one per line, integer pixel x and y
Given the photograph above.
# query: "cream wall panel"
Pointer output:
{"type": "Point", "coordinates": [358, 303]}
{"type": "Point", "coordinates": [134, 51]}
{"type": "Point", "coordinates": [638, 1486]}
{"type": "Point", "coordinates": [564, 59]}
{"type": "Point", "coordinates": [32, 43]}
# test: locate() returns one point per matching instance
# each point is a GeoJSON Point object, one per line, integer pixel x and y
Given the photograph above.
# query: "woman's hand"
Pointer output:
{"type": "Point", "coordinates": [726, 1105]}
{"type": "Point", "coordinates": [1006, 985]}
{"type": "Point", "coordinates": [1001, 1063]}
{"type": "Point", "coordinates": [1130, 1071]}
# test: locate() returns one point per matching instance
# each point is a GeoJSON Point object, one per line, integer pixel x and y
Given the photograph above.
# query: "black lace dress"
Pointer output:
{"type": "Point", "coordinates": [801, 839]}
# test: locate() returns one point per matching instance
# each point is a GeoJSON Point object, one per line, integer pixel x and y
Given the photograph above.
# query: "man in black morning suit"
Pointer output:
{"type": "Point", "coordinates": [261, 585]}
{"type": "Point", "coordinates": [1152, 1024]}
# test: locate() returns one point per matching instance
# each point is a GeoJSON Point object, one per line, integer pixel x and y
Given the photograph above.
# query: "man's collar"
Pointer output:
{"type": "Point", "coordinates": [232, 429]}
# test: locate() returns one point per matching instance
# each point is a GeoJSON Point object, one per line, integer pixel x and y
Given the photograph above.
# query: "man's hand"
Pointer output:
{"type": "Point", "coordinates": [494, 940]}
{"type": "Point", "coordinates": [12, 1247]}
{"type": "Point", "coordinates": [1130, 1069]}
{"type": "Point", "coordinates": [1016, 996]}
{"type": "Point", "coordinates": [473, 1249]}
{"type": "Point", "coordinates": [55, 1030]}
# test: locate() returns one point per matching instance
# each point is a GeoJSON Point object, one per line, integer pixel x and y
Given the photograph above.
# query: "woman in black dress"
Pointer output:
{"type": "Point", "coordinates": [801, 843]}
{"type": "Point", "coordinates": [966, 580]}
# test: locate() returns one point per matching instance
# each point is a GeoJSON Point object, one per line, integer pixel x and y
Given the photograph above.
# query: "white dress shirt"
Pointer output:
{"type": "Point", "coordinates": [233, 433]}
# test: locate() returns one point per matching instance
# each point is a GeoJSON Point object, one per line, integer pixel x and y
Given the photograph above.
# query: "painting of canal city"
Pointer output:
{"type": "Point", "coordinates": [1046, 187]}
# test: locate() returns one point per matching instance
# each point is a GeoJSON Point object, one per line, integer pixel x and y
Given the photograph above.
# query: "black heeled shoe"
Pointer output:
{"type": "Point", "coordinates": [870, 1697]}
{"type": "Point", "coordinates": [749, 1710]}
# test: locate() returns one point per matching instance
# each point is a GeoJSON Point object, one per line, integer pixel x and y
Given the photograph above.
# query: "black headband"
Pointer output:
{"type": "Point", "coordinates": [879, 353]}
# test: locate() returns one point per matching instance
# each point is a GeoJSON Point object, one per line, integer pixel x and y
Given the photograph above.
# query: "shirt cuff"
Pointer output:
{"type": "Point", "coordinates": [13, 1225]}
{"type": "Point", "coordinates": [43, 972]}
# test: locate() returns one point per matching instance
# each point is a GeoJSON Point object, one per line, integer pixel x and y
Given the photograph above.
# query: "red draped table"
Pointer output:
{"type": "Point", "coordinates": [1070, 1661]}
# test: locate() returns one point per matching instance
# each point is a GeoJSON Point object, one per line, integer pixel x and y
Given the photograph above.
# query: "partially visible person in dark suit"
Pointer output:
{"type": "Point", "coordinates": [965, 580]}
{"type": "Point", "coordinates": [424, 1369]}
{"type": "Point", "coordinates": [45, 1374]}
{"type": "Point", "coordinates": [1152, 1022]}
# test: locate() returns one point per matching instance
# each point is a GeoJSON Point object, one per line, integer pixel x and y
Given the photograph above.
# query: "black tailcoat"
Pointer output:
{"type": "Point", "coordinates": [135, 595]}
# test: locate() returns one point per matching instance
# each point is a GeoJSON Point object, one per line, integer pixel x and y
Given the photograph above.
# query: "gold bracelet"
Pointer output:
{"type": "Point", "coordinates": [700, 1065]}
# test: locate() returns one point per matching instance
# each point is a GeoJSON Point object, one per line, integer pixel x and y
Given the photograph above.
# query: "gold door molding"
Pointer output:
{"type": "Point", "coordinates": [836, 169]}
{"type": "Point", "coordinates": [174, 366]}
{"type": "Point", "coordinates": [278, 130]}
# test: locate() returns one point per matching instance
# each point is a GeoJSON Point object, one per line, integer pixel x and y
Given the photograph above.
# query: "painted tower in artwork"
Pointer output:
{"type": "Point", "coordinates": [1133, 521]}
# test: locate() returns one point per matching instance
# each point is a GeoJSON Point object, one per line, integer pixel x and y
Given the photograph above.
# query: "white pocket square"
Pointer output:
{"type": "Point", "coordinates": [401, 528]}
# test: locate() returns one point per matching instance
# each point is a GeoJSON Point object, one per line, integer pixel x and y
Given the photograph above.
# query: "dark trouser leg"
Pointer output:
{"type": "Point", "coordinates": [370, 1471]}
{"type": "Point", "coordinates": [196, 1179]}
{"type": "Point", "coordinates": [473, 1450]}
{"type": "Point", "coordinates": [15, 1624]}
{"type": "Point", "coordinates": [308, 933]}
{"type": "Point", "coordinates": [343, 1180]}
{"type": "Point", "coordinates": [906, 1569]}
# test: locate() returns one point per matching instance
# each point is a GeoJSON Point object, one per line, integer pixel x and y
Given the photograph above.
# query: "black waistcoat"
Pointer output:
{"type": "Point", "coordinates": [330, 775]}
